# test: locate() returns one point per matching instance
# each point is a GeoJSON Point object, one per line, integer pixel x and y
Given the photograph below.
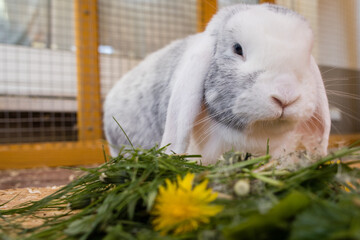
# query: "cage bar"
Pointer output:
{"type": "Point", "coordinates": [267, 1]}
{"type": "Point", "coordinates": [88, 78]}
{"type": "Point", "coordinates": [89, 149]}
{"type": "Point", "coordinates": [51, 154]}
{"type": "Point", "coordinates": [205, 10]}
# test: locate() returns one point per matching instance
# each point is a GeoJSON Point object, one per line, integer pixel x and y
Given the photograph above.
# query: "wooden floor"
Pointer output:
{"type": "Point", "coordinates": [12, 198]}
{"type": "Point", "coordinates": [18, 186]}
{"type": "Point", "coordinates": [37, 177]}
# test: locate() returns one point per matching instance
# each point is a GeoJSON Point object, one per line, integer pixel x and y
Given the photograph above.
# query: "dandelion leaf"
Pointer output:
{"type": "Point", "coordinates": [273, 224]}
{"type": "Point", "coordinates": [328, 220]}
{"type": "Point", "coordinates": [80, 226]}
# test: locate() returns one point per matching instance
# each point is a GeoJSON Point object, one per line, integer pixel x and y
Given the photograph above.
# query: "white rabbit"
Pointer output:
{"type": "Point", "coordinates": [247, 78]}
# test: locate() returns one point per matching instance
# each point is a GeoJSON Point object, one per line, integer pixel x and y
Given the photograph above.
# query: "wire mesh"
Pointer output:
{"type": "Point", "coordinates": [39, 84]}
{"type": "Point", "coordinates": [37, 71]}
{"type": "Point", "coordinates": [130, 30]}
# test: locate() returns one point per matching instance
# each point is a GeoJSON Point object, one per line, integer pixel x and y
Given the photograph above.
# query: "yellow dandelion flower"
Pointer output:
{"type": "Point", "coordinates": [181, 208]}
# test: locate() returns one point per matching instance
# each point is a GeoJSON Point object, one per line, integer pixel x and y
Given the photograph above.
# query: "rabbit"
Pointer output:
{"type": "Point", "coordinates": [247, 78]}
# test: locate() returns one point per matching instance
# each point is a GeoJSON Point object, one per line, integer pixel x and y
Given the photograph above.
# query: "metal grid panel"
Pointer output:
{"type": "Point", "coordinates": [37, 71]}
{"type": "Point", "coordinates": [50, 83]}
{"type": "Point", "coordinates": [130, 30]}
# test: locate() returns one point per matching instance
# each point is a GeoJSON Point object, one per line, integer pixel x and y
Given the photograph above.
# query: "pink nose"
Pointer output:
{"type": "Point", "coordinates": [282, 102]}
{"type": "Point", "coordinates": [285, 90]}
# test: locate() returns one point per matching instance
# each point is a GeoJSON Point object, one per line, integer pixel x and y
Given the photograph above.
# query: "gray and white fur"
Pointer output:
{"type": "Point", "coordinates": [203, 97]}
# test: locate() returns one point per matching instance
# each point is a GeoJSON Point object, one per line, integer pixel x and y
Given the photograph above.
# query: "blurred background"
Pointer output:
{"type": "Point", "coordinates": [59, 58]}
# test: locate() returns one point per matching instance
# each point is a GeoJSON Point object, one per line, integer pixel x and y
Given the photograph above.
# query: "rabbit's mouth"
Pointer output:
{"type": "Point", "coordinates": [267, 127]}
{"type": "Point", "coordinates": [278, 126]}
{"type": "Point", "coordinates": [243, 122]}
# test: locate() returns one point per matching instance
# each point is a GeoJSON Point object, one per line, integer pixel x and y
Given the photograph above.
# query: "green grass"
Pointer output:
{"type": "Point", "coordinates": [317, 201]}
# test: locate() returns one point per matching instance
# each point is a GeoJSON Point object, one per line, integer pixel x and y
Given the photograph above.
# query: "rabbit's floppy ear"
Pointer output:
{"type": "Point", "coordinates": [188, 78]}
{"type": "Point", "coordinates": [187, 92]}
{"type": "Point", "coordinates": [315, 131]}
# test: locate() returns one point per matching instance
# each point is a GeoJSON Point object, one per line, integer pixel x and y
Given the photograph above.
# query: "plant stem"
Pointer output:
{"type": "Point", "coordinates": [263, 178]}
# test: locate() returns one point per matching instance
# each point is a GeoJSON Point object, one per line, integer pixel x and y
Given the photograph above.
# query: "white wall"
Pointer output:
{"type": "Point", "coordinates": [45, 80]}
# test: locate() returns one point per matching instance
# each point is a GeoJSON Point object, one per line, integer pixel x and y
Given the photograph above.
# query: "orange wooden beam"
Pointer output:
{"type": "Point", "coordinates": [51, 154]}
{"type": "Point", "coordinates": [87, 58]}
{"type": "Point", "coordinates": [267, 1]}
{"type": "Point", "coordinates": [205, 10]}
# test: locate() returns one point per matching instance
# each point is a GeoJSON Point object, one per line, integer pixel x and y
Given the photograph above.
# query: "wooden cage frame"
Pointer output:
{"type": "Point", "coordinates": [90, 148]}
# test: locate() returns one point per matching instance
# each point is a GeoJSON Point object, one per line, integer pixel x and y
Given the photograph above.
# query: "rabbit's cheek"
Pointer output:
{"type": "Point", "coordinates": [222, 88]}
{"type": "Point", "coordinates": [220, 107]}
{"type": "Point", "coordinates": [222, 112]}
{"type": "Point", "coordinates": [306, 110]}
{"type": "Point", "coordinates": [211, 96]}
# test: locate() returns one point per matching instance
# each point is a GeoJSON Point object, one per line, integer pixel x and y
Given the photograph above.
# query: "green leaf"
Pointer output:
{"type": "Point", "coordinates": [80, 226]}
{"type": "Point", "coordinates": [117, 232]}
{"type": "Point", "coordinates": [150, 200]}
{"type": "Point", "coordinates": [328, 220]}
{"type": "Point", "coordinates": [131, 208]}
{"type": "Point", "coordinates": [274, 223]}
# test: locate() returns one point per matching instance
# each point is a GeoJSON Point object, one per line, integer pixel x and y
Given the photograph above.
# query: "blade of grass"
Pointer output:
{"type": "Point", "coordinates": [127, 137]}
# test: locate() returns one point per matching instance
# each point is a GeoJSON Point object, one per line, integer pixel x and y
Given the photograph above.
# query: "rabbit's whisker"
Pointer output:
{"type": "Point", "coordinates": [343, 94]}
{"type": "Point", "coordinates": [336, 104]}
{"type": "Point", "coordinates": [349, 115]}
{"type": "Point", "coordinates": [207, 133]}
{"type": "Point", "coordinates": [205, 119]}
{"type": "Point", "coordinates": [342, 84]}
{"type": "Point", "coordinates": [211, 130]}
{"type": "Point", "coordinates": [331, 79]}
{"type": "Point", "coordinates": [329, 70]}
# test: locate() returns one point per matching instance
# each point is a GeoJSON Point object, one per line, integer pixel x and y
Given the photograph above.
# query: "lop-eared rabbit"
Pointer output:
{"type": "Point", "coordinates": [248, 77]}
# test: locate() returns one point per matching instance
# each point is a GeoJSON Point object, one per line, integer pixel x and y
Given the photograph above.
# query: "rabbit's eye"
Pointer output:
{"type": "Point", "coordinates": [238, 49]}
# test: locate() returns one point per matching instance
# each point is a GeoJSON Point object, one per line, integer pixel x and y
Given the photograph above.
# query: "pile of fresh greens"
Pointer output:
{"type": "Point", "coordinates": [320, 200]}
